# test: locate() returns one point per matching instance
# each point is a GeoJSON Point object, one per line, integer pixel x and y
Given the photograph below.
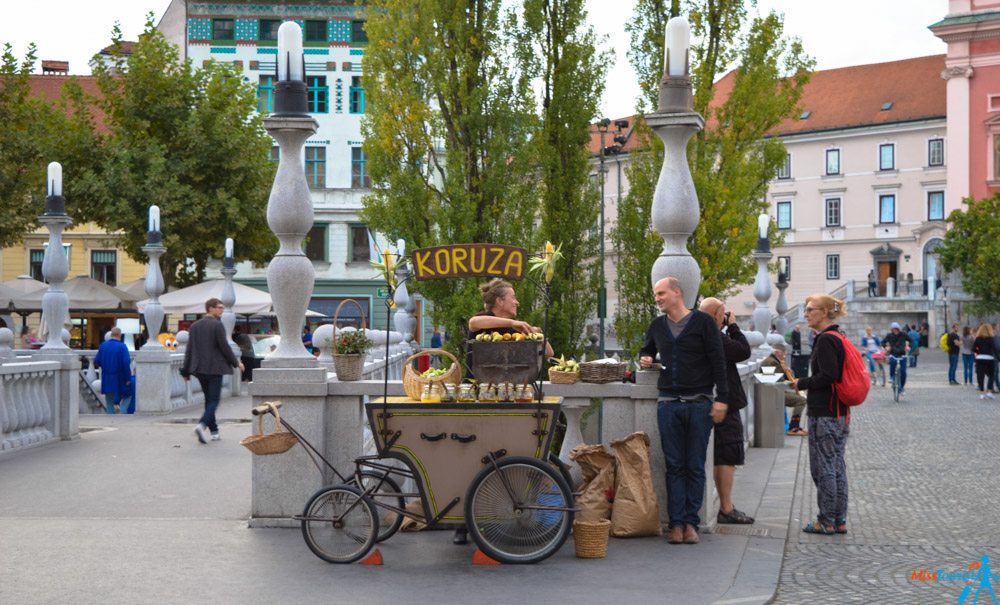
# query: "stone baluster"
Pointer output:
{"type": "Point", "coordinates": [228, 318]}
{"type": "Point", "coordinates": [7, 345]}
{"type": "Point", "coordinates": [153, 313]}
{"type": "Point", "coordinates": [781, 307]}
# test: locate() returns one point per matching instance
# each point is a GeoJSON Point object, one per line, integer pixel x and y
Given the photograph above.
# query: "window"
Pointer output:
{"type": "Point", "coordinates": [935, 205]}
{"type": "Point", "coordinates": [833, 266]}
{"type": "Point", "coordinates": [275, 154]}
{"type": "Point", "coordinates": [316, 244]}
{"type": "Point", "coordinates": [358, 33]}
{"type": "Point", "coordinates": [357, 98]}
{"type": "Point", "coordinates": [360, 250]}
{"type": "Point", "coordinates": [319, 94]}
{"type": "Point", "coordinates": [316, 167]}
{"type": "Point", "coordinates": [784, 215]}
{"type": "Point", "coordinates": [316, 31]}
{"type": "Point", "coordinates": [887, 208]}
{"type": "Point", "coordinates": [833, 161]}
{"type": "Point", "coordinates": [832, 212]}
{"type": "Point", "coordinates": [222, 29]}
{"type": "Point", "coordinates": [996, 157]}
{"type": "Point", "coordinates": [104, 266]}
{"type": "Point", "coordinates": [935, 152]}
{"type": "Point", "coordinates": [359, 174]}
{"type": "Point", "coordinates": [887, 156]}
{"type": "Point", "coordinates": [268, 29]}
{"type": "Point", "coordinates": [785, 171]}
{"type": "Point", "coordinates": [265, 94]}
{"type": "Point", "coordinates": [785, 266]}
{"type": "Point", "coordinates": [35, 258]}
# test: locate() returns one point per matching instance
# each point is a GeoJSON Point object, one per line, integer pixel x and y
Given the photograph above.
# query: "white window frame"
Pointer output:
{"type": "Point", "coordinates": [931, 164]}
{"type": "Point", "coordinates": [787, 164]}
{"type": "Point", "coordinates": [826, 162]}
{"type": "Point", "coordinates": [835, 264]}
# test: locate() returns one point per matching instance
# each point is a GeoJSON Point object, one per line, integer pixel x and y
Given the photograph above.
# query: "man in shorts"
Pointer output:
{"type": "Point", "coordinates": [729, 446]}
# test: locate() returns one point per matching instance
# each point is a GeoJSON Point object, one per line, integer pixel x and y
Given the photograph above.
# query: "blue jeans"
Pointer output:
{"type": "Point", "coordinates": [900, 374]}
{"type": "Point", "coordinates": [952, 366]}
{"type": "Point", "coordinates": [968, 363]}
{"type": "Point", "coordinates": [111, 400]}
{"type": "Point", "coordinates": [684, 431]}
{"type": "Point", "coordinates": [211, 386]}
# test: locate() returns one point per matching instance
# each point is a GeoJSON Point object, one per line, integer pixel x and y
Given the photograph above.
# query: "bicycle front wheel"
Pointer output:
{"type": "Point", "coordinates": [517, 512]}
{"type": "Point", "coordinates": [339, 525]}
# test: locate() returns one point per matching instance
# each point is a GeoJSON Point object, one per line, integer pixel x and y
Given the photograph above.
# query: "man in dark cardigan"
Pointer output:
{"type": "Point", "coordinates": [209, 358]}
{"type": "Point", "coordinates": [690, 350]}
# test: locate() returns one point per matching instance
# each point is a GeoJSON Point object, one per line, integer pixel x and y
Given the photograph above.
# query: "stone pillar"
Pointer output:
{"type": "Point", "coordinates": [890, 287]}
{"type": "Point", "coordinates": [7, 345]}
{"type": "Point", "coordinates": [153, 312]}
{"type": "Point", "coordinates": [781, 307]}
{"type": "Point", "coordinates": [228, 319]}
{"type": "Point", "coordinates": [153, 378]}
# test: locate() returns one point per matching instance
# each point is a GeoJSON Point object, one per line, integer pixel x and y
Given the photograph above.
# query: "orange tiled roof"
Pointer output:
{"type": "Point", "coordinates": [50, 88]}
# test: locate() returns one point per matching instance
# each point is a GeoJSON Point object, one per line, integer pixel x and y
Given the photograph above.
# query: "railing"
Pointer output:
{"type": "Point", "coordinates": [29, 404]}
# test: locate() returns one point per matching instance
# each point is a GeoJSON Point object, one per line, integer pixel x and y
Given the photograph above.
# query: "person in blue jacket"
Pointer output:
{"type": "Point", "coordinates": [116, 372]}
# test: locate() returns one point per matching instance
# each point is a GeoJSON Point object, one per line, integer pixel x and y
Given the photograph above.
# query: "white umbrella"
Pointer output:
{"type": "Point", "coordinates": [249, 301]}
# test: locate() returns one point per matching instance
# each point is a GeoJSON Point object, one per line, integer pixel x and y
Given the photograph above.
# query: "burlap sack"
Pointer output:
{"type": "Point", "coordinates": [636, 511]}
{"type": "Point", "coordinates": [598, 489]}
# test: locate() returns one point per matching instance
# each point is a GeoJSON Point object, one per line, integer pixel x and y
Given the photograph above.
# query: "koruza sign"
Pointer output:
{"type": "Point", "coordinates": [469, 260]}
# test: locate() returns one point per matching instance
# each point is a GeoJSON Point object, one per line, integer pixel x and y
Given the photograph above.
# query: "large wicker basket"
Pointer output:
{"type": "Point", "coordinates": [349, 366]}
{"type": "Point", "coordinates": [591, 538]}
{"type": "Point", "coordinates": [560, 377]}
{"type": "Point", "coordinates": [602, 372]}
{"type": "Point", "coordinates": [264, 444]}
{"type": "Point", "coordinates": [413, 383]}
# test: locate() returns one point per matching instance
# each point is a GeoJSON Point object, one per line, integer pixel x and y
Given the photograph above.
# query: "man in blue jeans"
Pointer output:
{"type": "Point", "coordinates": [690, 349]}
{"type": "Point", "coordinates": [209, 358]}
{"type": "Point", "coordinates": [954, 347]}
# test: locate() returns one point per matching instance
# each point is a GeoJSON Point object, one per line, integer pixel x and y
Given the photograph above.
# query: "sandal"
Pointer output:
{"type": "Point", "coordinates": [816, 527]}
{"type": "Point", "coordinates": [841, 527]}
{"type": "Point", "coordinates": [799, 432]}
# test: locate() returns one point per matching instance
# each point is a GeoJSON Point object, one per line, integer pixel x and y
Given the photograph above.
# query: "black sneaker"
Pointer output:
{"type": "Point", "coordinates": [735, 517]}
{"type": "Point", "coordinates": [461, 536]}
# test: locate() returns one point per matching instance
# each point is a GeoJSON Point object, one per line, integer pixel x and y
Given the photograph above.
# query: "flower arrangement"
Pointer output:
{"type": "Point", "coordinates": [352, 342]}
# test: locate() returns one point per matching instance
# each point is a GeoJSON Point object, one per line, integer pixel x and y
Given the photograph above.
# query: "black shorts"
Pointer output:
{"type": "Point", "coordinates": [729, 450]}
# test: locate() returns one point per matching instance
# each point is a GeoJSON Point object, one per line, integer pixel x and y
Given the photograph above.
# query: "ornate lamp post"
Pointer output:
{"type": "Point", "coordinates": [781, 307]}
{"type": "Point", "coordinates": [228, 297]}
{"type": "Point", "coordinates": [55, 265]}
{"type": "Point", "coordinates": [154, 249]}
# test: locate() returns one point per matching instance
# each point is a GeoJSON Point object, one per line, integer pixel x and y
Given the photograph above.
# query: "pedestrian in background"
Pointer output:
{"type": "Point", "coordinates": [870, 344]}
{"type": "Point", "coordinates": [914, 336]}
{"type": "Point", "coordinates": [985, 354]}
{"type": "Point", "coordinates": [996, 347]}
{"type": "Point", "coordinates": [968, 359]}
{"type": "Point", "coordinates": [797, 339]}
{"type": "Point", "coordinates": [209, 358]}
{"type": "Point", "coordinates": [728, 445]}
{"type": "Point", "coordinates": [872, 284]}
{"type": "Point", "coordinates": [954, 347]}
{"type": "Point", "coordinates": [116, 371]}
{"type": "Point", "coordinates": [897, 345]}
{"type": "Point", "coordinates": [793, 399]}
{"type": "Point", "coordinates": [828, 429]}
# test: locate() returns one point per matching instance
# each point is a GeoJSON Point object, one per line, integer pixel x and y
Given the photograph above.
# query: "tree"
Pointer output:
{"type": "Point", "coordinates": [555, 46]}
{"type": "Point", "coordinates": [972, 246]}
{"type": "Point", "coordinates": [732, 160]}
{"type": "Point", "coordinates": [446, 129]}
{"type": "Point", "coordinates": [189, 141]}
{"type": "Point", "coordinates": [24, 133]}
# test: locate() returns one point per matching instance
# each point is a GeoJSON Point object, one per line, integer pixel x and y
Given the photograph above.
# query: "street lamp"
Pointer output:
{"type": "Point", "coordinates": [620, 139]}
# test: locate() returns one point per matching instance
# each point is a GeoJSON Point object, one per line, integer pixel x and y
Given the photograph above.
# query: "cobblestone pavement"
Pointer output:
{"type": "Point", "coordinates": [924, 487]}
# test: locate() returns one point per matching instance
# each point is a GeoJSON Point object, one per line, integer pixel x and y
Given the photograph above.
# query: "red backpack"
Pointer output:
{"type": "Point", "coordinates": [852, 388]}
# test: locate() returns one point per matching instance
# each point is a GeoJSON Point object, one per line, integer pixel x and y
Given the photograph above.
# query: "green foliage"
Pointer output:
{"type": "Point", "coordinates": [24, 135]}
{"type": "Point", "coordinates": [972, 246]}
{"type": "Point", "coordinates": [189, 141]}
{"type": "Point", "coordinates": [731, 161]}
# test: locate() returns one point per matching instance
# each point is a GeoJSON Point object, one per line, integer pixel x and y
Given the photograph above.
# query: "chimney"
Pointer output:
{"type": "Point", "coordinates": [55, 68]}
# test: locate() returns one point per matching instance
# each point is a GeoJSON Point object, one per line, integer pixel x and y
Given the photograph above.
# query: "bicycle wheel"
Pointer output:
{"type": "Point", "coordinates": [505, 528]}
{"type": "Point", "coordinates": [389, 521]}
{"type": "Point", "coordinates": [895, 387]}
{"type": "Point", "coordinates": [339, 524]}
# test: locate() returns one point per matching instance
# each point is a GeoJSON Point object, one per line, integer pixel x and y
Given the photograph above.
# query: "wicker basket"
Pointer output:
{"type": "Point", "coordinates": [349, 366]}
{"type": "Point", "coordinates": [413, 383]}
{"type": "Point", "coordinates": [264, 444]}
{"type": "Point", "coordinates": [591, 538]}
{"type": "Point", "coordinates": [560, 377]}
{"type": "Point", "coordinates": [602, 372]}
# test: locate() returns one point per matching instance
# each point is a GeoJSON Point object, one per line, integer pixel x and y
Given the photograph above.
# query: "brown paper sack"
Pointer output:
{"type": "Point", "coordinates": [597, 489]}
{"type": "Point", "coordinates": [636, 512]}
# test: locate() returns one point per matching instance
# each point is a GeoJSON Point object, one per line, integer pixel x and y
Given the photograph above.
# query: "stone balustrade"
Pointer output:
{"type": "Point", "coordinates": [30, 404]}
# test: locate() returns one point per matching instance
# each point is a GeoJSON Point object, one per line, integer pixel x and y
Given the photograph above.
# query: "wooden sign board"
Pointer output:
{"type": "Point", "coordinates": [469, 260]}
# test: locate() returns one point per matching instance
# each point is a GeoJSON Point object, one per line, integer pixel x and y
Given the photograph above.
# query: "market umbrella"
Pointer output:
{"type": "Point", "coordinates": [23, 284]}
{"type": "Point", "coordinates": [136, 287]}
{"type": "Point", "coordinates": [84, 294]}
{"type": "Point", "coordinates": [249, 301]}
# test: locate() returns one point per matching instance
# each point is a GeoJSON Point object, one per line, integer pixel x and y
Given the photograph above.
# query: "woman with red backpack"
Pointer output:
{"type": "Point", "coordinates": [828, 415]}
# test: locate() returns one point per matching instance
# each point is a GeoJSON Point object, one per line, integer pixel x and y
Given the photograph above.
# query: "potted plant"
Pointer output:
{"type": "Point", "coordinates": [349, 349]}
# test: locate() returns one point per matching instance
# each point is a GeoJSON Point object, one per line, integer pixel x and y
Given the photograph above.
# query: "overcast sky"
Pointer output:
{"type": "Point", "coordinates": [837, 34]}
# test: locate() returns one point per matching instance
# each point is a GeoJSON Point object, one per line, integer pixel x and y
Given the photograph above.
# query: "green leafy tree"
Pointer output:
{"type": "Point", "coordinates": [446, 129]}
{"type": "Point", "coordinates": [556, 47]}
{"type": "Point", "coordinates": [972, 246]}
{"type": "Point", "coordinates": [187, 140]}
{"type": "Point", "coordinates": [731, 160]}
{"type": "Point", "coordinates": [24, 132]}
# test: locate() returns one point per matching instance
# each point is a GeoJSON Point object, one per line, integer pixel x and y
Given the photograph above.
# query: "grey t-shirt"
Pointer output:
{"type": "Point", "coordinates": [676, 327]}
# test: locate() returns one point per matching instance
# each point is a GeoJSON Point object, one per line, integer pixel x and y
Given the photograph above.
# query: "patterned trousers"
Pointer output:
{"type": "Point", "coordinates": [827, 441]}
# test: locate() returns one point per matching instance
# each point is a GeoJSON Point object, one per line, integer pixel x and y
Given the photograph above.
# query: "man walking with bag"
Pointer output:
{"type": "Point", "coordinates": [209, 358]}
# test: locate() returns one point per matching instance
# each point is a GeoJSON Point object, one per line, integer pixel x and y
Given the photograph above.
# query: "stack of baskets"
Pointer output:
{"type": "Point", "coordinates": [413, 383]}
{"type": "Point", "coordinates": [600, 373]}
{"type": "Point", "coordinates": [264, 444]}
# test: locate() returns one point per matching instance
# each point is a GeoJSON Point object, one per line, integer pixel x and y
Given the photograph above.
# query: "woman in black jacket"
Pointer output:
{"type": "Point", "coordinates": [827, 416]}
{"type": "Point", "coordinates": [985, 353]}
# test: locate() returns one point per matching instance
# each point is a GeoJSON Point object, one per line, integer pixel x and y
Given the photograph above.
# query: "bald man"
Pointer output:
{"type": "Point", "coordinates": [690, 350]}
{"type": "Point", "coordinates": [729, 447]}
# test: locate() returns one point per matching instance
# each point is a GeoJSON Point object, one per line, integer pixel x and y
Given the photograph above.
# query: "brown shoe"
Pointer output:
{"type": "Point", "coordinates": [676, 535]}
{"type": "Point", "coordinates": [690, 535]}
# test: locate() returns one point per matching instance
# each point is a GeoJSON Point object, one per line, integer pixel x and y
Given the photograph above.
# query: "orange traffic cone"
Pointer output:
{"type": "Point", "coordinates": [481, 558]}
{"type": "Point", "coordinates": [373, 559]}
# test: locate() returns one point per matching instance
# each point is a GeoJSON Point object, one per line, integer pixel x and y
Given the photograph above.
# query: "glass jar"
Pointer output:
{"type": "Point", "coordinates": [448, 392]}
{"type": "Point", "coordinates": [523, 394]}
{"type": "Point", "coordinates": [430, 393]}
{"type": "Point", "coordinates": [488, 394]}
{"type": "Point", "coordinates": [466, 393]}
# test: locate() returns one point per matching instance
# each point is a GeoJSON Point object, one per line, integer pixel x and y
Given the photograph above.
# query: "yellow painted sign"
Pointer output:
{"type": "Point", "coordinates": [469, 260]}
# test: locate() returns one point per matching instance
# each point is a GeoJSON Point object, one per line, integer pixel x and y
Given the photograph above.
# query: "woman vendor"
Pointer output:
{"type": "Point", "coordinates": [499, 309]}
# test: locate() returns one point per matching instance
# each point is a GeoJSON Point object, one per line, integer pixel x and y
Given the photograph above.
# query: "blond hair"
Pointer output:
{"type": "Point", "coordinates": [493, 290]}
{"type": "Point", "coordinates": [984, 330]}
{"type": "Point", "coordinates": [834, 306]}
